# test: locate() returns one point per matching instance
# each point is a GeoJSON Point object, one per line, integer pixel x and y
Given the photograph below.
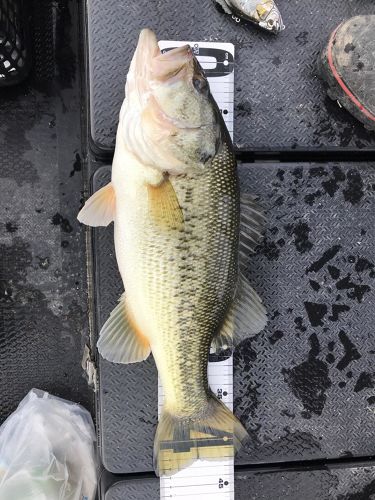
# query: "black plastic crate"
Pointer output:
{"type": "Point", "coordinates": [15, 43]}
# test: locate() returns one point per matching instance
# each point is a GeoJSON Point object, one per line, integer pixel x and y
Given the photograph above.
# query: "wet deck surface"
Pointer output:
{"type": "Point", "coordinates": [43, 304]}
{"type": "Point", "coordinates": [303, 387]}
{"type": "Point", "coordinates": [43, 290]}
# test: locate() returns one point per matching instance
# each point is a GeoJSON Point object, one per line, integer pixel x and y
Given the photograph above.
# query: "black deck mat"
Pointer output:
{"type": "Point", "coordinates": [347, 483]}
{"type": "Point", "coordinates": [304, 386]}
{"type": "Point", "coordinates": [43, 297]}
{"type": "Point", "coordinates": [280, 103]}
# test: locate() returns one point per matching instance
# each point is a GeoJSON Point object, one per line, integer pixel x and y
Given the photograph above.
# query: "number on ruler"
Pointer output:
{"type": "Point", "coordinates": [222, 483]}
{"type": "Point", "coordinates": [220, 393]}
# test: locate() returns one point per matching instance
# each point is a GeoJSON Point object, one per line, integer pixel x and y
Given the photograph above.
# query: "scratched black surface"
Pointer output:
{"type": "Point", "coordinates": [304, 386]}
{"type": "Point", "coordinates": [350, 483]}
{"type": "Point", "coordinates": [43, 324]}
{"type": "Point", "coordinates": [280, 102]}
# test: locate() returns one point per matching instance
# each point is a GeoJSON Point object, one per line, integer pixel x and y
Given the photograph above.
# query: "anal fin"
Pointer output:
{"type": "Point", "coordinates": [120, 341]}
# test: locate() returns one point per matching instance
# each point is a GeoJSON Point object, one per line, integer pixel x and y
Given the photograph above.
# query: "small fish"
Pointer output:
{"type": "Point", "coordinates": [262, 12]}
{"type": "Point", "coordinates": [175, 202]}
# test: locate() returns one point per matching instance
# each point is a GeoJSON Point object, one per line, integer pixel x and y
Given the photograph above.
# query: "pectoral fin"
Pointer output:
{"type": "Point", "coordinates": [164, 207]}
{"type": "Point", "coordinates": [100, 208]}
{"type": "Point", "coordinates": [120, 341]}
{"type": "Point", "coordinates": [246, 317]}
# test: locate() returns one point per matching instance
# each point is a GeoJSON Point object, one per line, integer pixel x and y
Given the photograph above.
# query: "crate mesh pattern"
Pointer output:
{"type": "Point", "coordinates": [14, 41]}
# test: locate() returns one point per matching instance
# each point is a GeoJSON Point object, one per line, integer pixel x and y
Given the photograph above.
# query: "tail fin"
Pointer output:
{"type": "Point", "coordinates": [213, 434]}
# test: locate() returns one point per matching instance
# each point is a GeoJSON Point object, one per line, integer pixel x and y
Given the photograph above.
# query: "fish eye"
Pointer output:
{"type": "Point", "coordinates": [200, 84]}
{"type": "Point", "coordinates": [270, 22]}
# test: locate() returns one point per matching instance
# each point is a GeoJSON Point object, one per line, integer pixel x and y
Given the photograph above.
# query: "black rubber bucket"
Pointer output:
{"type": "Point", "coordinates": [347, 64]}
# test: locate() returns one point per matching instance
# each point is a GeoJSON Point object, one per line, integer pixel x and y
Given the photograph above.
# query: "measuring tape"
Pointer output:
{"type": "Point", "coordinates": [209, 479]}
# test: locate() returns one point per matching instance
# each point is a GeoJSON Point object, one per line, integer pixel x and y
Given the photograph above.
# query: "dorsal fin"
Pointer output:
{"type": "Point", "coordinates": [252, 225]}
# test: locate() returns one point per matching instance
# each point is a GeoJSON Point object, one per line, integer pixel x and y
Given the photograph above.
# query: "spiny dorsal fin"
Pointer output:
{"type": "Point", "coordinates": [120, 341]}
{"type": "Point", "coordinates": [246, 317]}
{"type": "Point", "coordinates": [100, 208]}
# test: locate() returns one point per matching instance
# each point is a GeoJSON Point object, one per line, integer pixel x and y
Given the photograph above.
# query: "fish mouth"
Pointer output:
{"type": "Point", "coordinates": [147, 47]}
{"type": "Point", "coordinates": [153, 65]}
{"type": "Point", "coordinates": [177, 54]}
{"type": "Point", "coordinates": [163, 65]}
{"type": "Point", "coordinates": [172, 64]}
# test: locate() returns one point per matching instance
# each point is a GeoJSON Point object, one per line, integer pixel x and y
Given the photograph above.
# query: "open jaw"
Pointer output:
{"type": "Point", "coordinates": [162, 64]}
{"type": "Point", "coordinates": [172, 64]}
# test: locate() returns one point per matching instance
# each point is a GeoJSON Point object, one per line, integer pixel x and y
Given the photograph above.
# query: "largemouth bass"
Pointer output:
{"type": "Point", "coordinates": [265, 13]}
{"type": "Point", "coordinates": [175, 202]}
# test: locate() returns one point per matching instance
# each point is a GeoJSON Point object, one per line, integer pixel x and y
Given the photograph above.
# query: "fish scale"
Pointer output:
{"type": "Point", "coordinates": [181, 282]}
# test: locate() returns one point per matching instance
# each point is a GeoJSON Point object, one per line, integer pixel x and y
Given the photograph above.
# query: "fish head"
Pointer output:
{"type": "Point", "coordinates": [270, 17]}
{"type": "Point", "coordinates": [169, 118]}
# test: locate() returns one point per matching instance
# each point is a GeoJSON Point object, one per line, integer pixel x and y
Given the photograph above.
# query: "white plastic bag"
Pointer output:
{"type": "Point", "coordinates": [47, 451]}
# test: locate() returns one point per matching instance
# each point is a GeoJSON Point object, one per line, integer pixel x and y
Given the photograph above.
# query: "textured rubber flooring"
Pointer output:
{"type": "Point", "coordinates": [43, 312]}
{"type": "Point", "coordinates": [304, 386]}
{"type": "Point", "coordinates": [351, 483]}
{"type": "Point", "coordinates": [280, 102]}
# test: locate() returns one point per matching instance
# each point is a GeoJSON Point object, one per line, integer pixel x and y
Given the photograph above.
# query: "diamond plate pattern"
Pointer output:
{"type": "Point", "coordinates": [304, 386]}
{"type": "Point", "coordinates": [133, 490]}
{"type": "Point", "coordinates": [280, 103]}
{"type": "Point", "coordinates": [43, 297]}
{"type": "Point", "coordinates": [300, 386]}
{"type": "Point", "coordinates": [350, 483]}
